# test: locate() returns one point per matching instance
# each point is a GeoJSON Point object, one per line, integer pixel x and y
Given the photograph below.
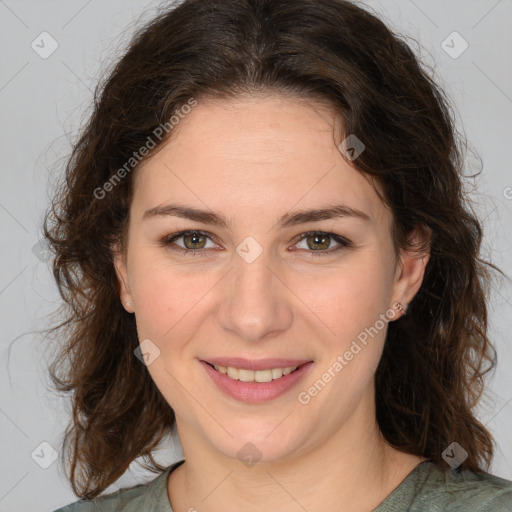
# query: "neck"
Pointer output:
{"type": "Point", "coordinates": [353, 470]}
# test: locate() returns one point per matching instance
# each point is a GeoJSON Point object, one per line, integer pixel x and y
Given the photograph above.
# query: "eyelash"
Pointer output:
{"type": "Point", "coordinates": [169, 239]}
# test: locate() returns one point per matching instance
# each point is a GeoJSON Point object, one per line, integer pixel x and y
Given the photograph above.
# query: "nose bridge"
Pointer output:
{"type": "Point", "coordinates": [255, 300]}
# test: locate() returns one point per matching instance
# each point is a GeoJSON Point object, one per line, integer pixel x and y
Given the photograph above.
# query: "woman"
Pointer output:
{"type": "Point", "coordinates": [263, 240]}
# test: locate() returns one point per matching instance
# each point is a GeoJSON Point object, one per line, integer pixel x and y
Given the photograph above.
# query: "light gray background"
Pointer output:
{"type": "Point", "coordinates": [42, 103]}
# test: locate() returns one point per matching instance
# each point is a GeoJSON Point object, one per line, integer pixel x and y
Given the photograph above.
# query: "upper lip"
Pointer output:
{"type": "Point", "coordinates": [255, 364]}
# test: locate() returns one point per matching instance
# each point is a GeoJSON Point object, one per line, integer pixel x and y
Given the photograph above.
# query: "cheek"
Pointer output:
{"type": "Point", "coordinates": [169, 303]}
{"type": "Point", "coordinates": [351, 296]}
{"type": "Point", "coordinates": [167, 298]}
{"type": "Point", "coordinates": [354, 304]}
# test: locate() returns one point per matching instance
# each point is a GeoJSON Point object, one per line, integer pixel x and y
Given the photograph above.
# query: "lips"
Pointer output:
{"type": "Point", "coordinates": [255, 364]}
{"type": "Point", "coordinates": [257, 392]}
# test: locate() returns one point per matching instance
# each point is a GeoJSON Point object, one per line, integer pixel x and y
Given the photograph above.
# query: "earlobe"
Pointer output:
{"type": "Point", "coordinates": [119, 260]}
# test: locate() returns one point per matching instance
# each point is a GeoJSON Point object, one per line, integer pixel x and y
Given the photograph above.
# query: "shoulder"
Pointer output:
{"type": "Point", "coordinates": [146, 496]}
{"type": "Point", "coordinates": [435, 488]}
{"type": "Point", "coordinates": [481, 492]}
{"type": "Point", "coordinates": [121, 500]}
{"type": "Point", "coordinates": [466, 491]}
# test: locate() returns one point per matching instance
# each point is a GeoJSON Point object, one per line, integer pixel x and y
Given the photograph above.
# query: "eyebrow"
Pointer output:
{"type": "Point", "coordinates": [289, 219]}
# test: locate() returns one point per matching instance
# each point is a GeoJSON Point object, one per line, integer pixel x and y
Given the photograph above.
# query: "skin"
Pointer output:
{"type": "Point", "coordinates": [254, 159]}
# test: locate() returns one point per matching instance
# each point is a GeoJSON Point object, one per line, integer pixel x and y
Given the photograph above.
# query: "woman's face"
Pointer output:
{"type": "Point", "coordinates": [254, 290]}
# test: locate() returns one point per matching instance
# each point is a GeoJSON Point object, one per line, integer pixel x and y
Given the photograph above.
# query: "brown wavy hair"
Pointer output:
{"type": "Point", "coordinates": [431, 373]}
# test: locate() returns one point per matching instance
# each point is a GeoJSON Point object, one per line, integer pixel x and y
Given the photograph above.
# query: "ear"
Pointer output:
{"type": "Point", "coordinates": [411, 266]}
{"type": "Point", "coordinates": [119, 259]}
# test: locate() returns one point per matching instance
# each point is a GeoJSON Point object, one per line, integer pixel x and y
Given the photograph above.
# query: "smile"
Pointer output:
{"type": "Point", "coordinates": [256, 386]}
{"type": "Point", "coordinates": [254, 376]}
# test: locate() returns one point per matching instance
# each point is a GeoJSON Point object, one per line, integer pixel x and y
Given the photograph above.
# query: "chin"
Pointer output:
{"type": "Point", "coordinates": [268, 444]}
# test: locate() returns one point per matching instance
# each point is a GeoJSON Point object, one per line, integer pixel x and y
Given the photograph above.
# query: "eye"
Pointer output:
{"type": "Point", "coordinates": [319, 242]}
{"type": "Point", "coordinates": [194, 242]}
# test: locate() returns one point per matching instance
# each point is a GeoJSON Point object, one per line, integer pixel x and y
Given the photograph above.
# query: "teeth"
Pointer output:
{"type": "Point", "coordinates": [254, 376]}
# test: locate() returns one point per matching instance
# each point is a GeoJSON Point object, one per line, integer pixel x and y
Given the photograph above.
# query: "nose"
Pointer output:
{"type": "Point", "coordinates": [256, 303]}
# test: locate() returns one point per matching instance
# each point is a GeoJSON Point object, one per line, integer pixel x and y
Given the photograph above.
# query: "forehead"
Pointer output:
{"type": "Point", "coordinates": [255, 154]}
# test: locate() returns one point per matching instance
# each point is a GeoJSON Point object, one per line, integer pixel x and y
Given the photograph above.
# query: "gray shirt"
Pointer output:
{"type": "Point", "coordinates": [425, 489]}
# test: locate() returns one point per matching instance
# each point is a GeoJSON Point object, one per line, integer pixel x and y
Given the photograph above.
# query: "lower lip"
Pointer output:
{"type": "Point", "coordinates": [256, 392]}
